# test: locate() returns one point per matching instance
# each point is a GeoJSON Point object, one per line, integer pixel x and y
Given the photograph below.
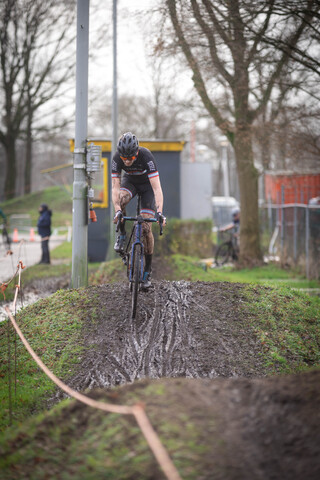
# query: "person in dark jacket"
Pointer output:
{"type": "Point", "coordinates": [44, 230]}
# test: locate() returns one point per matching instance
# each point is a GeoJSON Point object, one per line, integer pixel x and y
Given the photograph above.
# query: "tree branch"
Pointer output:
{"type": "Point", "coordinates": [197, 77]}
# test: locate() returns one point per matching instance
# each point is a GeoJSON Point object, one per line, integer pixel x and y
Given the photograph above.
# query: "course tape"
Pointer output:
{"type": "Point", "coordinates": [137, 410]}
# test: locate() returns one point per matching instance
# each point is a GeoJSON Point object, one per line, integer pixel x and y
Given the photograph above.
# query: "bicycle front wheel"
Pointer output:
{"type": "Point", "coordinates": [136, 267]}
{"type": "Point", "coordinates": [223, 253]}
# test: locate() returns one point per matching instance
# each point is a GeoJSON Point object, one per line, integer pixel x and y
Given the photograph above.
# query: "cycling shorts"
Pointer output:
{"type": "Point", "coordinates": [134, 185]}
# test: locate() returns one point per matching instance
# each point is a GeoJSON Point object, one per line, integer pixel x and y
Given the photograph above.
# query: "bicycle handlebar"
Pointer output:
{"type": "Point", "coordinates": [141, 220]}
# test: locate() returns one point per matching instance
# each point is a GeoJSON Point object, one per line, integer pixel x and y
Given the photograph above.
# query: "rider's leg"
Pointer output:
{"type": "Point", "coordinates": [125, 197]}
{"type": "Point", "coordinates": [148, 243]}
{"type": "Point", "coordinates": [147, 211]}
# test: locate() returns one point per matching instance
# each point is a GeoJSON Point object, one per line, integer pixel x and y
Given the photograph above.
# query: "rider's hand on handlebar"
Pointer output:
{"type": "Point", "coordinates": [161, 218]}
{"type": "Point", "coordinates": [118, 216]}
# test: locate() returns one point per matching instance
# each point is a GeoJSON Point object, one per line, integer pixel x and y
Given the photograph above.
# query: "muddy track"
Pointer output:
{"type": "Point", "coordinates": [182, 329]}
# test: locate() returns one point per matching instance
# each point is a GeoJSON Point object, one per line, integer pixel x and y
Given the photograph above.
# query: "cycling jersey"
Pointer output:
{"type": "Point", "coordinates": [144, 167]}
{"type": "Point", "coordinates": [136, 177]}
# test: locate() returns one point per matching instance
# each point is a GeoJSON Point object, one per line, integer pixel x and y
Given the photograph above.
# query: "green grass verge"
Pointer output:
{"type": "Point", "coordinates": [58, 200]}
{"type": "Point", "coordinates": [193, 269]}
{"type": "Point", "coordinates": [287, 324]}
{"type": "Point", "coordinates": [74, 441]}
{"type": "Point", "coordinates": [52, 326]}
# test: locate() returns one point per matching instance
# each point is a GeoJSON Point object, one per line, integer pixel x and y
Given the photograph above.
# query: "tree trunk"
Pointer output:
{"type": "Point", "coordinates": [28, 164]}
{"type": "Point", "coordinates": [250, 253]}
{"type": "Point", "coordinates": [10, 181]}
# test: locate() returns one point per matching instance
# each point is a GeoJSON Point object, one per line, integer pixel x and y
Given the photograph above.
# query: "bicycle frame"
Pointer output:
{"type": "Point", "coordinates": [135, 259]}
{"type": "Point", "coordinates": [137, 232]}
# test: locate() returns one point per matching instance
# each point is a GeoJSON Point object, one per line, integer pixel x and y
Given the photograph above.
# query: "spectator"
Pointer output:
{"type": "Point", "coordinates": [44, 230]}
{"type": "Point", "coordinates": [2, 214]}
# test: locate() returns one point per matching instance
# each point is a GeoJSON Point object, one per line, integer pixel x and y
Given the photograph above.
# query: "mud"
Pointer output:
{"type": "Point", "coordinates": [248, 426]}
{"type": "Point", "coordinates": [182, 329]}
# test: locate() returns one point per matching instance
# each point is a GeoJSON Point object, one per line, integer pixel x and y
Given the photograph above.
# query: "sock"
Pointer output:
{"type": "Point", "coordinates": [148, 259]}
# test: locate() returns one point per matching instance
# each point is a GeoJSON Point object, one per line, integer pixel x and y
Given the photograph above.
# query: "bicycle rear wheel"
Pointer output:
{"type": "Point", "coordinates": [223, 253]}
{"type": "Point", "coordinates": [135, 279]}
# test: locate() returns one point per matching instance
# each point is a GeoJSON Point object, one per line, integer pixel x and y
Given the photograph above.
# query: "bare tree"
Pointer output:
{"type": "Point", "coordinates": [35, 67]}
{"type": "Point", "coordinates": [222, 42]}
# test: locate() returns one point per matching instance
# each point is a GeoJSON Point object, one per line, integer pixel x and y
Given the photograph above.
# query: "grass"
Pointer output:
{"type": "Point", "coordinates": [193, 269]}
{"type": "Point", "coordinates": [92, 445]}
{"type": "Point", "coordinates": [62, 252]}
{"type": "Point", "coordinates": [287, 324]}
{"type": "Point", "coordinates": [58, 200]}
{"type": "Point", "coordinates": [52, 326]}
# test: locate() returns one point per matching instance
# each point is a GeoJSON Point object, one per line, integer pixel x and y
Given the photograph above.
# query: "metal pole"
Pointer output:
{"type": "Point", "coordinates": [80, 199]}
{"type": "Point", "coordinates": [295, 227]}
{"type": "Point", "coordinates": [282, 221]}
{"type": "Point", "coordinates": [114, 118]}
{"type": "Point", "coordinates": [307, 240]}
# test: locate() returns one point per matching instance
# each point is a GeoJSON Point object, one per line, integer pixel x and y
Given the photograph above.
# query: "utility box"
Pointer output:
{"type": "Point", "coordinates": [167, 154]}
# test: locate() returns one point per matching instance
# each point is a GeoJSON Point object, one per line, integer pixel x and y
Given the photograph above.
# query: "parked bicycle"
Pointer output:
{"type": "Point", "coordinates": [228, 250]}
{"type": "Point", "coordinates": [133, 255]}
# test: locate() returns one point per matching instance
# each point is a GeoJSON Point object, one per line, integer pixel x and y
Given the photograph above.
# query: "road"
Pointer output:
{"type": "Point", "coordinates": [25, 250]}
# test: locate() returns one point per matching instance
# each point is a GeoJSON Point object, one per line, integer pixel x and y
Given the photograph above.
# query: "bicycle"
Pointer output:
{"type": "Point", "coordinates": [227, 250]}
{"type": "Point", "coordinates": [133, 255]}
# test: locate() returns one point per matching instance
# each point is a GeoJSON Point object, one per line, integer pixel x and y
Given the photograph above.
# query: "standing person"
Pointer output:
{"type": "Point", "coordinates": [44, 230]}
{"type": "Point", "coordinates": [140, 176]}
{"type": "Point", "coordinates": [2, 214]}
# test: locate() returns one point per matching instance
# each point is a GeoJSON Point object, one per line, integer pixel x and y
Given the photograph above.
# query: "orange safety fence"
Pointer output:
{"type": "Point", "coordinates": [138, 410]}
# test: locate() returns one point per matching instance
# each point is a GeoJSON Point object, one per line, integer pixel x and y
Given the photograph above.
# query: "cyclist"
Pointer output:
{"type": "Point", "coordinates": [235, 226]}
{"type": "Point", "coordinates": [140, 176]}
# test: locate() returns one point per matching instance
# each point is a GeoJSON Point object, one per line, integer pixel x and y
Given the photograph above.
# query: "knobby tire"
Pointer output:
{"type": "Point", "coordinates": [135, 278]}
{"type": "Point", "coordinates": [224, 252]}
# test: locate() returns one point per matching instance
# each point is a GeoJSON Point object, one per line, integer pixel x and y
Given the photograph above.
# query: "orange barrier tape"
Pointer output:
{"type": "Point", "coordinates": [137, 411]}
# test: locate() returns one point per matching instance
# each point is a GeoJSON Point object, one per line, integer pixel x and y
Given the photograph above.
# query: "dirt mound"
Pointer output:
{"type": "Point", "coordinates": [219, 421]}
{"type": "Point", "coordinates": [234, 429]}
{"type": "Point", "coordinates": [182, 329]}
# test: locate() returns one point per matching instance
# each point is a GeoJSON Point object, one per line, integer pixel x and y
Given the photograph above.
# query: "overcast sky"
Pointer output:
{"type": "Point", "coordinates": [133, 74]}
{"type": "Point", "coordinates": [133, 37]}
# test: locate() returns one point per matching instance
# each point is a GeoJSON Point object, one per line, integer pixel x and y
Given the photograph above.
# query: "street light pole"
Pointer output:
{"type": "Point", "coordinates": [80, 189]}
{"type": "Point", "coordinates": [114, 117]}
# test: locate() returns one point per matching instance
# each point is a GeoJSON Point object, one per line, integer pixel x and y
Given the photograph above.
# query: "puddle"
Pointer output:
{"type": "Point", "coordinates": [28, 299]}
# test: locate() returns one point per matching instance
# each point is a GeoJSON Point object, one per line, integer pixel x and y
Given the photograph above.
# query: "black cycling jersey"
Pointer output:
{"type": "Point", "coordinates": [136, 178]}
{"type": "Point", "coordinates": [143, 168]}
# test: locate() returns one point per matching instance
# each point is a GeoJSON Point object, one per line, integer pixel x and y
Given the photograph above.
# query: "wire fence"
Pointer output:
{"type": "Point", "coordinates": [292, 233]}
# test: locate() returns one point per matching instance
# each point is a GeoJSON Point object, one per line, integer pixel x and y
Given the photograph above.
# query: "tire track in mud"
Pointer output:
{"type": "Point", "coordinates": [182, 329]}
{"type": "Point", "coordinates": [159, 339]}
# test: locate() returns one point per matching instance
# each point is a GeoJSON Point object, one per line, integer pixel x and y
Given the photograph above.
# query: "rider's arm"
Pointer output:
{"type": "Point", "coordinates": [157, 190]}
{"type": "Point", "coordinates": [116, 193]}
{"type": "Point", "coordinates": [227, 227]}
